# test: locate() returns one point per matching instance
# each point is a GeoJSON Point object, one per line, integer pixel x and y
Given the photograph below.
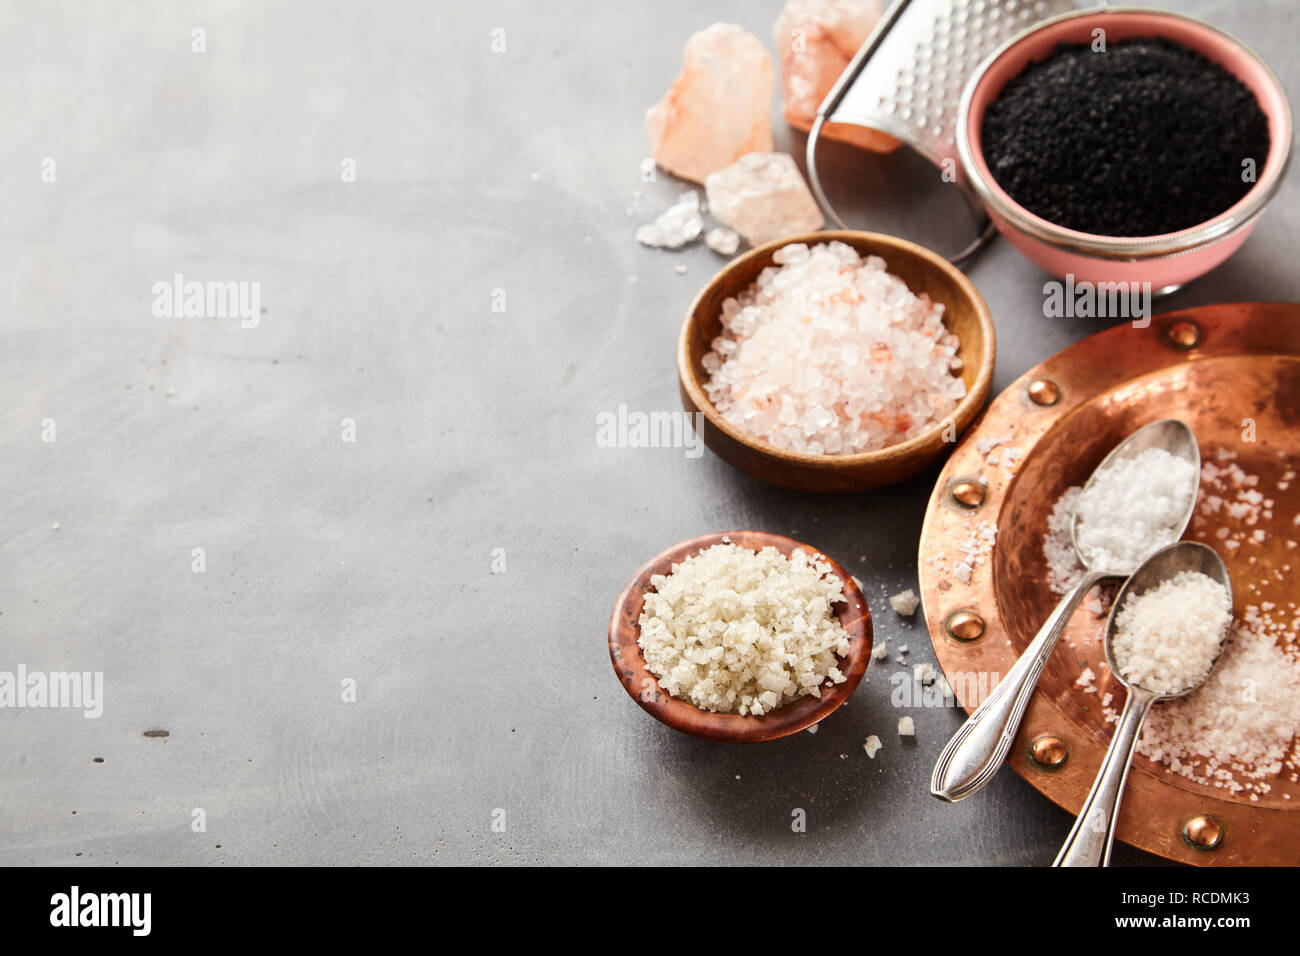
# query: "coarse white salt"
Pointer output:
{"type": "Point", "coordinates": [827, 353]}
{"type": "Point", "coordinates": [906, 727]}
{"type": "Point", "coordinates": [744, 632]}
{"type": "Point", "coordinates": [880, 651]}
{"type": "Point", "coordinates": [1167, 638]}
{"type": "Point", "coordinates": [924, 673]}
{"type": "Point", "coordinates": [872, 746]}
{"type": "Point", "coordinates": [1134, 507]}
{"type": "Point", "coordinates": [1239, 727]}
{"type": "Point", "coordinates": [905, 602]}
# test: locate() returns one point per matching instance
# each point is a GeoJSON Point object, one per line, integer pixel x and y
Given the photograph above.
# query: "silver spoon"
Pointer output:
{"type": "Point", "coordinates": [1093, 833]}
{"type": "Point", "coordinates": [976, 752]}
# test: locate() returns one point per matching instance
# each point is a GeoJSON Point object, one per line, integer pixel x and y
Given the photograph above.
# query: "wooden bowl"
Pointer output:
{"type": "Point", "coordinates": [965, 314]}
{"type": "Point", "coordinates": [624, 629]}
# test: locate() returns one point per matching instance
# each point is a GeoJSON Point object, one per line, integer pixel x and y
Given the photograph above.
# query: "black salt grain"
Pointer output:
{"type": "Point", "coordinates": [1146, 138]}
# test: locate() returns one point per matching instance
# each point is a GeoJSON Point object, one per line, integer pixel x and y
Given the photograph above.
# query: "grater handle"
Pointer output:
{"type": "Point", "coordinates": [987, 230]}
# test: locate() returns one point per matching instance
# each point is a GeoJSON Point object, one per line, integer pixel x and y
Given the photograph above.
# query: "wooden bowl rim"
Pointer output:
{"type": "Point", "coordinates": [681, 714]}
{"type": "Point", "coordinates": [962, 415]}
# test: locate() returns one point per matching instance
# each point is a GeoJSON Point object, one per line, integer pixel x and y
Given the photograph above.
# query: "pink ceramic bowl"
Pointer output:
{"type": "Point", "coordinates": [1166, 261]}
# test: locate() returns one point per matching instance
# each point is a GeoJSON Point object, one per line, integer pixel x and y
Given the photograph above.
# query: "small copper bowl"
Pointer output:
{"type": "Point", "coordinates": [1165, 261]}
{"type": "Point", "coordinates": [965, 314]}
{"type": "Point", "coordinates": [629, 665]}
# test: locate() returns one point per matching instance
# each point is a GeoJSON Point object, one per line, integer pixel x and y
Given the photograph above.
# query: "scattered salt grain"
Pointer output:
{"type": "Point", "coordinates": [678, 225]}
{"type": "Point", "coordinates": [722, 240]}
{"type": "Point", "coordinates": [827, 353]}
{"type": "Point", "coordinates": [737, 631]}
{"type": "Point", "coordinates": [880, 651]}
{"type": "Point", "coordinates": [906, 727]}
{"type": "Point", "coordinates": [872, 746]}
{"type": "Point", "coordinates": [905, 602]}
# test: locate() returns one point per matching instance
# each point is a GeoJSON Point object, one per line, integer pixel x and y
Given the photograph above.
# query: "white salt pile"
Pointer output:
{"type": "Point", "coordinates": [1133, 507]}
{"type": "Point", "coordinates": [742, 632]}
{"type": "Point", "coordinates": [1240, 727]}
{"type": "Point", "coordinates": [828, 353]}
{"type": "Point", "coordinates": [1063, 566]}
{"type": "Point", "coordinates": [1167, 638]}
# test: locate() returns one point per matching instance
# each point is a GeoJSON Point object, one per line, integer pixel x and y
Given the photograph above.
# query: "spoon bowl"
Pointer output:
{"type": "Point", "coordinates": [1158, 568]}
{"type": "Point", "coordinates": [1167, 434]}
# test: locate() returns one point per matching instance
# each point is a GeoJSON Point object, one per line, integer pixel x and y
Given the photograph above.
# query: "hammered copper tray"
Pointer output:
{"type": "Point", "coordinates": [1222, 369]}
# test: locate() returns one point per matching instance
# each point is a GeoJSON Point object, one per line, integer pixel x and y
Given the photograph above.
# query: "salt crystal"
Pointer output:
{"type": "Point", "coordinates": [905, 602]}
{"type": "Point", "coordinates": [816, 40]}
{"type": "Point", "coordinates": [719, 107]}
{"type": "Point", "coordinates": [722, 240]}
{"type": "Point", "coordinates": [872, 746]}
{"type": "Point", "coordinates": [906, 727]}
{"type": "Point", "coordinates": [763, 196]}
{"type": "Point", "coordinates": [678, 225]}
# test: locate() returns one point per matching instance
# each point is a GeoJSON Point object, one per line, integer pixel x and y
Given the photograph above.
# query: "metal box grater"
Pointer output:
{"type": "Point", "coordinates": [907, 80]}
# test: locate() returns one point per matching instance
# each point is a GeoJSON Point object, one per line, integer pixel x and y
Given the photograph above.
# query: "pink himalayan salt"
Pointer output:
{"type": "Point", "coordinates": [816, 40]}
{"type": "Point", "coordinates": [763, 197]}
{"type": "Point", "coordinates": [828, 353]}
{"type": "Point", "coordinates": [718, 109]}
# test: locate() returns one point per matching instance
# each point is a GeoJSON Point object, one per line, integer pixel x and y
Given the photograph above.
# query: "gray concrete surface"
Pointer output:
{"type": "Point", "coordinates": [371, 561]}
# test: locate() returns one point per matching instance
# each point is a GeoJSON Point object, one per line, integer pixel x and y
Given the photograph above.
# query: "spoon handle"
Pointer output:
{"type": "Point", "coordinates": [976, 752]}
{"type": "Point", "coordinates": [1093, 832]}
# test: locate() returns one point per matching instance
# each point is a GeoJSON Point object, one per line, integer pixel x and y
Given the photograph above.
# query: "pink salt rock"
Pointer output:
{"type": "Point", "coordinates": [763, 197]}
{"type": "Point", "coordinates": [718, 109]}
{"type": "Point", "coordinates": [816, 39]}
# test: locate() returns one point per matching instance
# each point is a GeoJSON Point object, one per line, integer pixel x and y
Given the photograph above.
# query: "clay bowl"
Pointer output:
{"type": "Point", "coordinates": [965, 314]}
{"type": "Point", "coordinates": [1165, 261]}
{"type": "Point", "coordinates": [629, 665]}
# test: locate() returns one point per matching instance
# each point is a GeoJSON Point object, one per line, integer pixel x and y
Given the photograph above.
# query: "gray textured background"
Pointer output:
{"type": "Point", "coordinates": [475, 430]}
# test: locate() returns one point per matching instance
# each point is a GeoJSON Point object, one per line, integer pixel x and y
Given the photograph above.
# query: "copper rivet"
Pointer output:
{"type": "Point", "coordinates": [1043, 391]}
{"type": "Point", "coordinates": [1203, 832]}
{"type": "Point", "coordinates": [967, 492]}
{"type": "Point", "coordinates": [1048, 751]}
{"type": "Point", "coordinates": [965, 625]}
{"type": "Point", "coordinates": [1184, 335]}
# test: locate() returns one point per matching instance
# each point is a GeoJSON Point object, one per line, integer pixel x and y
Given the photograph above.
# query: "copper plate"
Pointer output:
{"type": "Point", "coordinates": [1215, 367]}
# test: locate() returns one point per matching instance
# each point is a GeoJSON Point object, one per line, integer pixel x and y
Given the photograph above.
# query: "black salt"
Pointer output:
{"type": "Point", "coordinates": [1146, 138]}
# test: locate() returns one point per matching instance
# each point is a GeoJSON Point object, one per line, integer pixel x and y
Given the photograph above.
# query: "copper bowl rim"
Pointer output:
{"type": "Point", "coordinates": [961, 415]}
{"type": "Point", "coordinates": [681, 714]}
{"type": "Point", "coordinates": [1226, 224]}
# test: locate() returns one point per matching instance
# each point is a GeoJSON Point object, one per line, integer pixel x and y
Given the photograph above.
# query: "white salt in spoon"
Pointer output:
{"type": "Point", "coordinates": [976, 752]}
{"type": "Point", "coordinates": [1090, 839]}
